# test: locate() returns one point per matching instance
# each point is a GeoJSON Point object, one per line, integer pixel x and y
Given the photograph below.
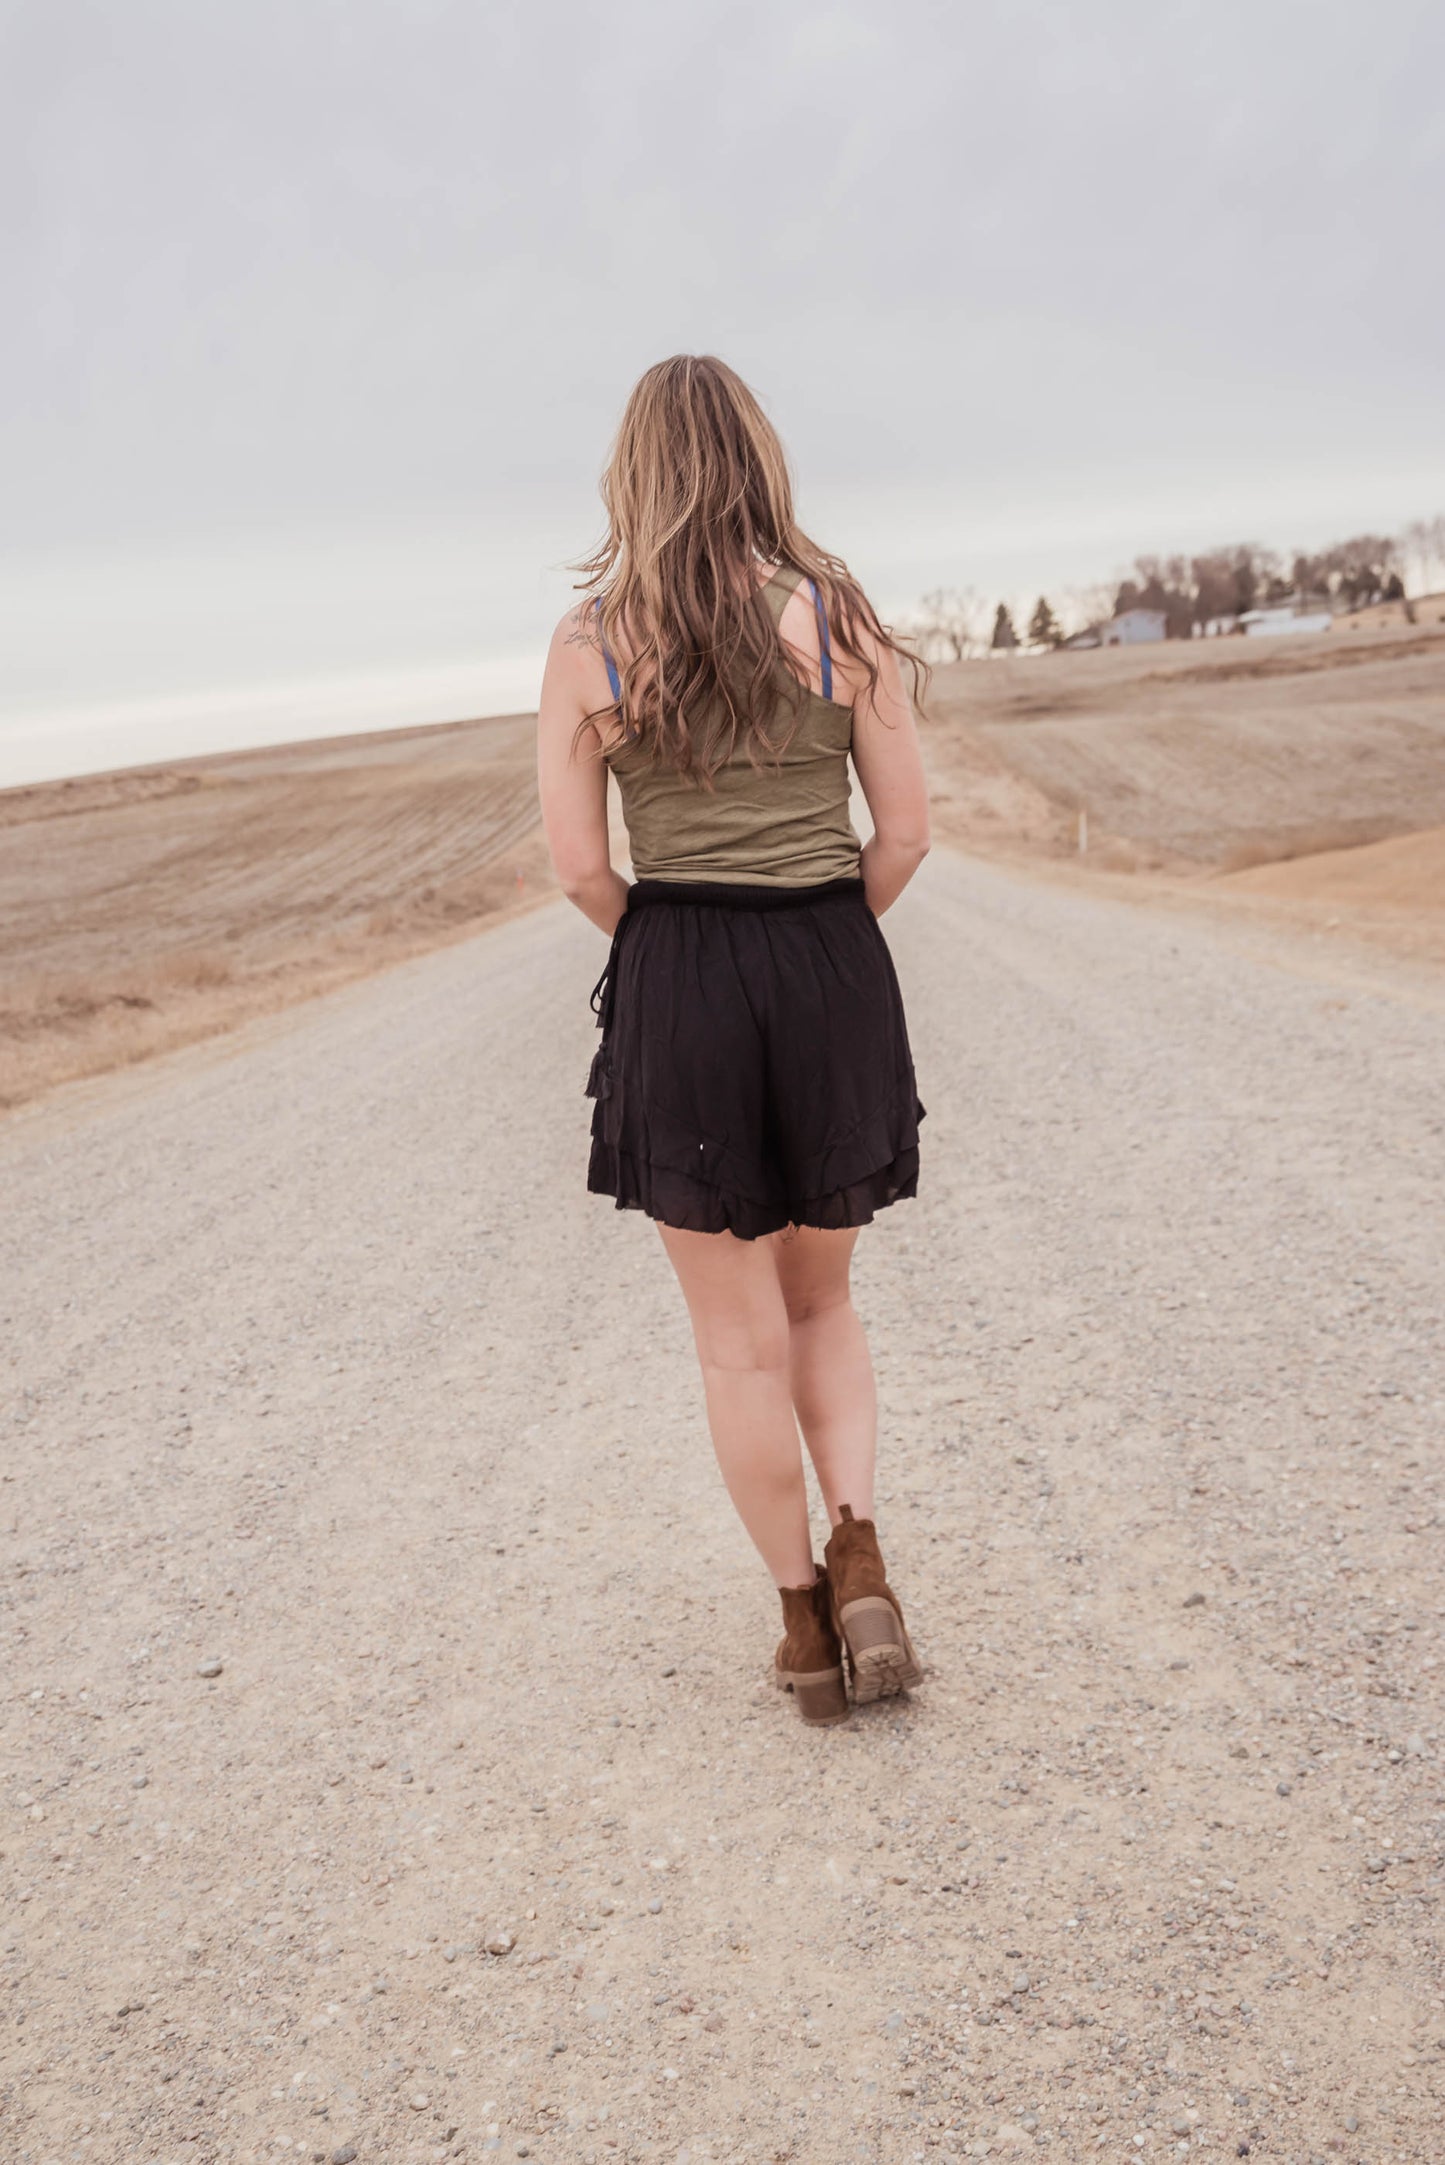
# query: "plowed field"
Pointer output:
{"type": "Point", "coordinates": [1198, 756]}
{"type": "Point", "coordinates": [145, 908]}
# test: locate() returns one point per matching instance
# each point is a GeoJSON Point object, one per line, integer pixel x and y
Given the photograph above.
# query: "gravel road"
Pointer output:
{"type": "Point", "coordinates": [391, 1769]}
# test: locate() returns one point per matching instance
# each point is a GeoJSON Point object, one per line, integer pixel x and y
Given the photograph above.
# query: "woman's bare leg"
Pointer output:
{"type": "Point", "coordinates": [829, 1364]}
{"type": "Point", "coordinates": [740, 1325]}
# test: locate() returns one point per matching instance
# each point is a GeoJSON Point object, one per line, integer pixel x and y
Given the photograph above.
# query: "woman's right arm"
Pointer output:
{"type": "Point", "coordinates": [572, 776]}
{"type": "Point", "coordinates": [889, 764]}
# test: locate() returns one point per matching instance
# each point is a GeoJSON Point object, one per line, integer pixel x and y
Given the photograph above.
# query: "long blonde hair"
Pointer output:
{"type": "Point", "coordinates": [698, 497]}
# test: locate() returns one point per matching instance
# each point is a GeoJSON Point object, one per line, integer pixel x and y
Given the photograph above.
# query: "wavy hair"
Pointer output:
{"type": "Point", "coordinates": [699, 498]}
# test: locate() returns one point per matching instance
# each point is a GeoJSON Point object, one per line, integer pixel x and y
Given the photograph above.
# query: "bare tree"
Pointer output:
{"type": "Point", "coordinates": [1085, 608]}
{"type": "Point", "coordinates": [949, 625]}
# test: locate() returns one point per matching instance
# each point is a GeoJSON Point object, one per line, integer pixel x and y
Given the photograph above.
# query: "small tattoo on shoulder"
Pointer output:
{"type": "Point", "coordinates": [584, 629]}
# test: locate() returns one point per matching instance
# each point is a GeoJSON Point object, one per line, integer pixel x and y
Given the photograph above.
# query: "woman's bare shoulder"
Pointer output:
{"type": "Point", "coordinates": [575, 655]}
{"type": "Point", "coordinates": [576, 685]}
{"type": "Point", "coordinates": [577, 631]}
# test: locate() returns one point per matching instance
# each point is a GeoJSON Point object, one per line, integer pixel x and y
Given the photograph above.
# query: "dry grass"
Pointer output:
{"type": "Point", "coordinates": [1386, 895]}
{"type": "Point", "coordinates": [1196, 758]}
{"type": "Point", "coordinates": [1393, 616]}
{"type": "Point", "coordinates": [143, 910]}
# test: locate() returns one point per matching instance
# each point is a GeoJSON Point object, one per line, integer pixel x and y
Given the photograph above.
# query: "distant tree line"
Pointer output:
{"type": "Point", "coordinates": [1191, 592]}
{"type": "Point", "coordinates": [1227, 583]}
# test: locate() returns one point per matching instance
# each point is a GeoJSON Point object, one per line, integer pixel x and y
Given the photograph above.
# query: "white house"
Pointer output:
{"type": "Point", "coordinates": [1136, 627]}
{"type": "Point", "coordinates": [1268, 622]}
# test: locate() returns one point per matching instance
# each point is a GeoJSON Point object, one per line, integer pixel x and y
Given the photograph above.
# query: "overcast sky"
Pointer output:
{"type": "Point", "coordinates": [1024, 286]}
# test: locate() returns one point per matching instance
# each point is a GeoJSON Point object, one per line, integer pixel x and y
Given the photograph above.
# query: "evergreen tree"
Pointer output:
{"type": "Point", "coordinates": [1044, 625]}
{"type": "Point", "coordinates": [1004, 635]}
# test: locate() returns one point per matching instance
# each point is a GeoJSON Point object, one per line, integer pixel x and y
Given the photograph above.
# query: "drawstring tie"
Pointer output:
{"type": "Point", "coordinates": [602, 1001]}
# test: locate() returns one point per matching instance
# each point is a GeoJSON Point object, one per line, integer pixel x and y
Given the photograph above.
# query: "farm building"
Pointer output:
{"type": "Point", "coordinates": [1269, 622]}
{"type": "Point", "coordinates": [1136, 627]}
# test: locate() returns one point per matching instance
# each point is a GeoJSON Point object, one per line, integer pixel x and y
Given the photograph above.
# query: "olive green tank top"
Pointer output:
{"type": "Point", "coordinates": [773, 825]}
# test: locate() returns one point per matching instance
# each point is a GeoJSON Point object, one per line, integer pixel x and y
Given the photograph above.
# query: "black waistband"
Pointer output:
{"type": "Point", "coordinates": [642, 894]}
{"type": "Point", "coordinates": [725, 894]}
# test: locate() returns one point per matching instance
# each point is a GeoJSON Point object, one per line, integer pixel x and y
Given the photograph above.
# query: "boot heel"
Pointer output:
{"type": "Point", "coordinates": [821, 1696]}
{"type": "Point", "coordinates": [879, 1648]}
{"type": "Point", "coordinates": [809, 1659]}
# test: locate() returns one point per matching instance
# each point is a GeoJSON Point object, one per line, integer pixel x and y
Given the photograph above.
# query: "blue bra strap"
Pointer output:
{"type": "Point", "coordinates": [825, 652]}
{"type": "Point", "coordinates": [613, 678]}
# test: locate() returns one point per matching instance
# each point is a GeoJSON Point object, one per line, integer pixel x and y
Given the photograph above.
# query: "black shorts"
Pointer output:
{"type": "Point", "coordinates": [754, 1070]}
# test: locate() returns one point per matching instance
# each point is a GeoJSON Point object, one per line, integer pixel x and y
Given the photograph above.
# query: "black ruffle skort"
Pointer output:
{"type": "Point", "coordinates": [754, 1070]}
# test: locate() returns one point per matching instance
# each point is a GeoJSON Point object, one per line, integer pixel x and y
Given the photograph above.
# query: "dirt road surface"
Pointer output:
{"type": "Point", "coordinates": [373, 1604]}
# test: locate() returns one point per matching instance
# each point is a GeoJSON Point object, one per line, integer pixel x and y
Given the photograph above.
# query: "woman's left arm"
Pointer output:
{"type": "Point", "coordinates": [572, 779]}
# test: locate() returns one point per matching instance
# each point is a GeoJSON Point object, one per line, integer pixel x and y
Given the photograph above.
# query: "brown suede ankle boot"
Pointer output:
{"type": "Point", "coordinates": [866, 1613]}
{"type": "Point", "coordinates": [809, 1660]}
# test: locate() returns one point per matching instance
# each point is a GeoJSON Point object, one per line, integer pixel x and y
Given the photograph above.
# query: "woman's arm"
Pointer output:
{"type": "Point", "coordinates": [889, 762]}
{"type": "Point", "coordinates": [572, 776]}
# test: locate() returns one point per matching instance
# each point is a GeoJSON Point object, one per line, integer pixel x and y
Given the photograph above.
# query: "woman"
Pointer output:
{"type": "Point", "coordinates": [754, 1090]}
